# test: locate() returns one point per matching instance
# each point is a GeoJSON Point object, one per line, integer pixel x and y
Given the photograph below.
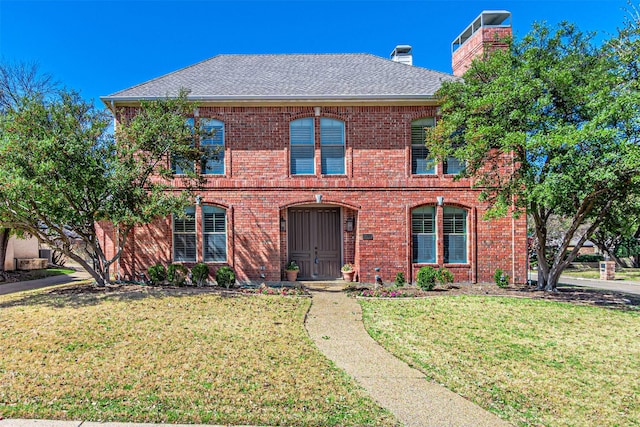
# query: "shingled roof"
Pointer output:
{"type": "Point", "coordinates": [292, 76]}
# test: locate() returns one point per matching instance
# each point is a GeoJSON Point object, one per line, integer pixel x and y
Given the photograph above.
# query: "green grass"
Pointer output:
{"type": "Point", "coordinates": [632, 274]}
{"type": "Point", "coordinates": [531, 362]}
{"type": "Point", "coordinates": [48, 272]}
{"type": "Point", "coordinates": [184, 357]}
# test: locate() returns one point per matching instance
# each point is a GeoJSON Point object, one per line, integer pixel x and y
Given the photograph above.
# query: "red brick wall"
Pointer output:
{"type": "Point", "coordinates": [482, 41]}
{"type": "Point", "coordinates": [377, 190]}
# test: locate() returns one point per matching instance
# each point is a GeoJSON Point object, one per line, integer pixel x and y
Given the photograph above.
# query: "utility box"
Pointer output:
{"type": "Point", "coordinates": [607, 270]}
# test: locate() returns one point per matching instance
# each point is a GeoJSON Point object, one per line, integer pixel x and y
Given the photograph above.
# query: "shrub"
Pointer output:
{"type": "Point", "coordinates": [177, 274]}
{"type": "Point", "coordinates": [225, 276]}
{"type": "Point", "coordinates": [399, 280]}
{"type": "Point", "coordinates": [426, 278]}
{"type": "Point", "coordinates": [501, 279]}
{"type": "Point", "coordinates": [444, 277]}
{"type": "Point", "coordinates": [589, 258]}
{"type": "Point", "coordinates": [157, 274]}
{"type": "Point", "coordinates": [200, 274]}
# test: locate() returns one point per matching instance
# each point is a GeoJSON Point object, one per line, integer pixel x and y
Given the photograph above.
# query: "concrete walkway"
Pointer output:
{"type": "Point", "coordinates": [9, 288]}
{"type": "Point", "coordinates": [335, 324]}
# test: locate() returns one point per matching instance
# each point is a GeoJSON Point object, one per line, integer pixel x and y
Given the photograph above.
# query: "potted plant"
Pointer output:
{"type": "Point", "coordinates": [348, 272]}
{"type": "Point", "coordinates": [292, 271]}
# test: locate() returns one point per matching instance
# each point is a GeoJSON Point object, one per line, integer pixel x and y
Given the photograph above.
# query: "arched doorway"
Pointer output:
{"type": "Point", "coordinates": [315, 241]}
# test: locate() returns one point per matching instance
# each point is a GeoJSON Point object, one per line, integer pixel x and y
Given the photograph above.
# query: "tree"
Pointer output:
{"type": "Point", "coordinates": [549, 125]}
{"type": "Point", "coordinates": [17, 81]}
{"type": "Point", "coordinates": [618, 236]}
{"type": "Point", "coordinates": [63, 172]}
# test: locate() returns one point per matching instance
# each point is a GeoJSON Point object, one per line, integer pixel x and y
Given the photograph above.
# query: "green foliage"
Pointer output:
{"type": "Point", "coordinates": [426, 278]}
{"type": "Point", "coordinates": [225, 276]}
{"type": "Point", "coordinates": [157, 274]}
{"type": "Point", "coordinates": [200, 274]}
{"type": "Point", "coordinates": [628, 246]}
{"type": "Point", "coordinates": [292, 266]}
{"type": "Point", "coordinates": [61, 168]}
{"type": "Point", "coordinates": [347, 267]}
{"type": "Point", "coordinates": [444, 277]}
{"type": "Point", "coordinates": [177, 274]}
{"type": "Point", "coordinates": [500, 278]}
{"type": "Point", "coordinates": [549, 126]}
{"type": "Point", "coordinates": [400, 280]}
{"type": "Point", "coordinates": [589, 258]}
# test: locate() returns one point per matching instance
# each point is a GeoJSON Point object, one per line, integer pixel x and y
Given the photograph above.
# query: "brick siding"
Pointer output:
{"type": "Point", "coordinates": [377, 190]}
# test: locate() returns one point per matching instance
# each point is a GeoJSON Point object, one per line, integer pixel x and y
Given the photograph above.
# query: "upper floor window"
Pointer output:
{"type": "Point", "coordinates": [214, 234]}
{"type": "Point", "coordinates": [453, 166]}
{"type": "Point", "coordinates": [455, 235]}
{"type": "Point", "coordinates": [332, 146]}
{"type": "Point", "coordinates": [302, 146]}
{"type": "Point", "coordinates": [184, 235]}
{"type": "Point", "coordinates": [423, 231]}
{"type": "Point", "coordinates": [420, 162]}
{"type": "Point", "coordinates": [213, 147]}
{"type": "Point", "coordinates": [180, 165]}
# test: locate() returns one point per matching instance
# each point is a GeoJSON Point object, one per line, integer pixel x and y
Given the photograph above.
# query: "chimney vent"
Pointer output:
{"type": "Point", "coordinates": [402, 53]}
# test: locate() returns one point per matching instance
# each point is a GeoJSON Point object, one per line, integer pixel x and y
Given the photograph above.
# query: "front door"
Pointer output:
{"type": "Point", "coordinates": [315, 242]}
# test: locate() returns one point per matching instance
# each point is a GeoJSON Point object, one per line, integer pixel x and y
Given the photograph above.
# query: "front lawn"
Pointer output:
{"type": "Point", "coordinates": [532, 362]}
{"type": "Point", "coordinates": [594, 273]}
{"type": "Point", "coordinates": [175, 356]}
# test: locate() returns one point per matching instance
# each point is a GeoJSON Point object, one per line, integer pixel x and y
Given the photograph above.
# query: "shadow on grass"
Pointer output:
{"type": "Point", "coordinates": [82, 295]}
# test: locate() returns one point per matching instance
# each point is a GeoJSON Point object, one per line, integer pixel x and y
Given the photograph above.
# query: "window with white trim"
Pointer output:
{"type": "Point", "coordinates": [453, 166]}
{"type": "Point", "coordinates": [302, 146]}
{"type": "Point", "coordinates": [332, 146]}
{"type": "Point", "coordinates": [180, 165]}
{"type": "Point", "coordinates": [455, 235]}
{"type": "Point", "coordinates": [214, 234]}
{"type": "Point", "coordinates": [212, 146]}
{"type": "Point", "coordinates": [423, 230]}
{"type": "Point", "coordinates": [184, 235]}
{"type": "Point", "coordinates": [421, 164]}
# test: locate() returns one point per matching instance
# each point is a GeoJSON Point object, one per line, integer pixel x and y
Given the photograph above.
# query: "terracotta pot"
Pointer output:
{"type": "Point", "coordinates": [292, 275]}
{"type": "Point", "coordinates": [347, 276]}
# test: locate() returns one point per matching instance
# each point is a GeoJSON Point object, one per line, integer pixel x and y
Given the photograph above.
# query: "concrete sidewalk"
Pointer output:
{"type": "Point", "coordinates": [335, 324]}
{"type": "Point", "coordinates": [9, 288]}
{"type": "Point", "coordinates": [626, 286]}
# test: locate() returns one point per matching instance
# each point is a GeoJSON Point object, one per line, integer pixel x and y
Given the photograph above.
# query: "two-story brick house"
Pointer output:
{"type": "Point", "coordinates": [322, 162]}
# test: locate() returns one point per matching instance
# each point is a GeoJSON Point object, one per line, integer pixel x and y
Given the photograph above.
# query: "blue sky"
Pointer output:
{"type": "Point", "coordinates": [100, 47]}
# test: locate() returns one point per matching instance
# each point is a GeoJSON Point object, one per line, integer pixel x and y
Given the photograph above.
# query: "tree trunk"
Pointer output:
{"type": "Point", "coordinates": [4, 244]}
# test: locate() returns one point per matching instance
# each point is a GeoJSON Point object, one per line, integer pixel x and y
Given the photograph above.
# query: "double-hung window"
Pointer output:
{"type": "Point", "coordinates": [453, 166]}
{"type": "Point", "coordinates": [332, 146]}
{"type": "Point", "coordinates": [212, 144]}
{"type": "Point", "coordinates": [423, 230]}
{"type": "Point", "coordinates": [214, 234]}
{"type": "Point", "coordinates": [302, 147]}
{"type": "Point", "coordinates": [180, 165]}
{"type": "Point", "coordinates": [455, 235]}
{"type": "Point", "coordinates": [184, 236]}
{"type": "Point", "coordinates": [420, 162]}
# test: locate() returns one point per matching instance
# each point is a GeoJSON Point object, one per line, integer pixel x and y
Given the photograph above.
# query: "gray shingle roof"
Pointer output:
{"type": "Point", "coordinates": [292, 76]}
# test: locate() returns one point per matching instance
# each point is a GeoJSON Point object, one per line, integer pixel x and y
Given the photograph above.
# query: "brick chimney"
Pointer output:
{"type": "Point", "coordinates": [484, 34]}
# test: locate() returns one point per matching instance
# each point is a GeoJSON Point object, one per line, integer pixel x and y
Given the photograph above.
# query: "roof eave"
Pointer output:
{"type": "Point", "coordinates": [110, 101]}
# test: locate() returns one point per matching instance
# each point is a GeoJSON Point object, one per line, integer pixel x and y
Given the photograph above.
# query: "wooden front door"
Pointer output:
{"type": "Point", "coordinates": [315, 242]}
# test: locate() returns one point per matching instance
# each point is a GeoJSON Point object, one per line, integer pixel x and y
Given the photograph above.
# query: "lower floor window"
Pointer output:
{"type": "Point", "coordinates": [455, 235]}
{"type": "Point", "coordinates": [425, 235]}
{"type": "Point", "coordinates": [214, 235]}
{"type": "Point", "coordinates": [184, 235]}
